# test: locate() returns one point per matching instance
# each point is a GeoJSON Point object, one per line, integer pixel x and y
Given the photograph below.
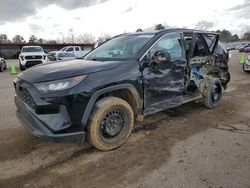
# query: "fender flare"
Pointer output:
{"type": "Point", "coordinates": [100, 92]}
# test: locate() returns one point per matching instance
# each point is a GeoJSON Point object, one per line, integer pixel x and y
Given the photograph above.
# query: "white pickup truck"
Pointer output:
{"type": "Point", "coordinates": [76, 50]}
{"type": "Point", "coordinates": [31, 56]}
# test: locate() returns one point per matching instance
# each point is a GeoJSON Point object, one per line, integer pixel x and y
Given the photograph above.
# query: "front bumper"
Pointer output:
{"type": "Point", "coordinates": [32, 62]}
{"type": "Point", "coordinates": [247, 65]}
{"type": "Point", "coordinates": [40, 130]}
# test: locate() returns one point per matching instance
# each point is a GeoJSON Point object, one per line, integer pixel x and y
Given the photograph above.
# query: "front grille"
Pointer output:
{"type": "Point", "coordinates": [33, 57]}
{"type": "Point", "coordinates": [32, 63]}
{"type": "Point", "coordinates": [25, 96]}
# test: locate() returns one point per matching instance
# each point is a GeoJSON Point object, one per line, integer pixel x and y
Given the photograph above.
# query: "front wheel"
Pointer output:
{"type": "Point", "coordinates": [22, 68]}
{"type": "Point", "coordinates": [245, 68]}
{"type": "Point", "coordinates": [1, 68]}
{"type": "Point", "coordinates": [213, 93]}
{"type": "Point", "coordinates": [111, 123]}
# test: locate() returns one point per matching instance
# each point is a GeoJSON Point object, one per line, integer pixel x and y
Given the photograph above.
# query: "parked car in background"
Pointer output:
{"type": "Point", "coordinates": [76, 50]}
{"type": "Point", "coordinates": [246, 65]}
{"type": "Point", "coordinates": [243, 47]}
{"type": "Point", "coordinates": [125, 79]}
{"type": "Point", "coordinates": [31, 56]}
{"type": "Point", "coordinates": [60, 56]}
{"type": "Point", "coordinates": [3, 64]}
{"type": "Point", "coordinates": [247, 49]}
{"type": "Point", "coordinates": [230, 47]}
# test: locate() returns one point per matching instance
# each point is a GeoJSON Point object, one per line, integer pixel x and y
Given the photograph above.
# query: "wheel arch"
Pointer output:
{"type": "Point", "coordinates": [127, 92]}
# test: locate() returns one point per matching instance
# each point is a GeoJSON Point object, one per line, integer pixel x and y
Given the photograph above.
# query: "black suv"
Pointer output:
{"type": "Point", "coordinates": [120, 82]}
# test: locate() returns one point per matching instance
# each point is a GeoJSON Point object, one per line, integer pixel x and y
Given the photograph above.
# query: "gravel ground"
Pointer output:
{"type": "Point", "coordinates": [189, 146]}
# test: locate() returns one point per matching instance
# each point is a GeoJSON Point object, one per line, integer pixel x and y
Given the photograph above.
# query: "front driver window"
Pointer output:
{"type": "Point", "coordinates": [170, 43]}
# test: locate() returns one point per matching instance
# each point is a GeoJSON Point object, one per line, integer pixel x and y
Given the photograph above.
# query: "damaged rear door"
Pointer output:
{"type": "Point", "coordinates": [164, 83]}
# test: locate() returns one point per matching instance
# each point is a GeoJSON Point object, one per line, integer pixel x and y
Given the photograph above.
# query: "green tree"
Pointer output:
{"type": "Point", "coordinates": [246, 36]}
{"type": "Point", "coordinates": [159, 27]}
{"type": "Point", "coordinates": [3, 38]}
{"type": "Point", "coordinates": [18, 39]}
{"type": "Point", "coordinates": [235, 37]}
{"type": "Point", "coordinates": [225, 35]}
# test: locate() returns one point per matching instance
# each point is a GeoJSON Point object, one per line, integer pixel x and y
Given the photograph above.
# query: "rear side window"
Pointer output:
{"type": "Point", "coordinates": [170, 43]}
{"type": "Point", "coordinates": [200, 48]}
{"type": "Point", "coordinates": [210, 40]}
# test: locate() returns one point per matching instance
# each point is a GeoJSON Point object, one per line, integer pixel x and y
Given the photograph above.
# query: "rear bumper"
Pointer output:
{"type": "Point", "coordinates": [40, 130]}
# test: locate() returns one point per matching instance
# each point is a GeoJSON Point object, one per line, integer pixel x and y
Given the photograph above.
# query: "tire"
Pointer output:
{"type": "Point", "coordinates": [21, 67]}
{"type": "Point", "coordinates": [243, 66]}
{"type": "Point", "coordinates": [110, 124]}
{"type": "Point", "coordinates": [1, 67]}
{"type": "Point", "coordinates": [213, 93]}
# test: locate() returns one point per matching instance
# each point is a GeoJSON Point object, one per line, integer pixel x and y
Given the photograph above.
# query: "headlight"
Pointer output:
{"type": "Point", "coordinates": [44, 57]}
{"type": "Point", "coordinates": [22, 57]}
{"type": "Point", "coordinates": [58, 85]}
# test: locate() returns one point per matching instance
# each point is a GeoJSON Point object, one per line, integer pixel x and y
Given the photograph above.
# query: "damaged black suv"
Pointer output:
{"type": "Point", "coordinates": [123, 80]}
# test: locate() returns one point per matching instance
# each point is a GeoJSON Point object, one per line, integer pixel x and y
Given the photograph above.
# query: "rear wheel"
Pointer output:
{"type": "Point", "coordinates": [213, 94]}
{"type": "Point", "coordinates": [110, 123]}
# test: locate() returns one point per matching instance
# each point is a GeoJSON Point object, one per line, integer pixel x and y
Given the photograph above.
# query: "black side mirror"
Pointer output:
{"type": "Point", "coordinates": [161, 57]}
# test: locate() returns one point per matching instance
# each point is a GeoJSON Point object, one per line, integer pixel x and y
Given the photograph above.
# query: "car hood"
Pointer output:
{"type": "Point", "coordinates": [65, 69]}
{"type": "Point", "coordinates": [32, 53]}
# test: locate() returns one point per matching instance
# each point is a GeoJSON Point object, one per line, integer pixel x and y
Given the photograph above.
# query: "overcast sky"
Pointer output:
{"type": "Point", "coordinates": [51, 19]}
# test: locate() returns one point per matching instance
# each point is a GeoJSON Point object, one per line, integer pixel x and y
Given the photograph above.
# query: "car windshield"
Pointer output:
{"type": "Point", "coordinates": [64, 49]}
{"type": "Point", "coordinates": [32, 49]}
{"type": "Point", "coordinates": [120, 48]}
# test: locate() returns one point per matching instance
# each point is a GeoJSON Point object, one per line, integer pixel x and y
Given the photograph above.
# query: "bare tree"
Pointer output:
{"type": "Point", "coordinates": [103, 38]}
{"type": "Point", "coordinates": [71, 36]}
{"type": "Point", "coordinates": [86, 38]}
{"type": "Point", "coordinates": [18, 39]}
{"type": "Point", "coordinates": [204, 25]}
{"type": "Point", "coordinates": [3, 38]}
{"type": "Point", "coordinates": [51, 42]}
{"type": "Point", "coordinates": [41, 41]}
{"type": "Point", "coordinates": [33, 39]}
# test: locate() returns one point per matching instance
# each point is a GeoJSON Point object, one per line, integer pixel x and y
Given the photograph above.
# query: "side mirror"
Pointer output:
{"type": "Point", "coordinates": [161, 57]}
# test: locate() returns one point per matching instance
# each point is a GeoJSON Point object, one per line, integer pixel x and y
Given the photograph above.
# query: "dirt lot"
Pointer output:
{"type": "Point", "coordinates": [189, 146]}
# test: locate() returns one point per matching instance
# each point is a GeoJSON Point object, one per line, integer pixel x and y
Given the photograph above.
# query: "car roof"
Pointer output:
{"type": "Point", "coordinates": [170, 31]}
{"type": "Point", "coordinates": [30, 46]}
